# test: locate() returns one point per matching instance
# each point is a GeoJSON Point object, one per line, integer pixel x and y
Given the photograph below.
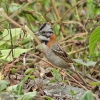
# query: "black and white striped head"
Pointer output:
{"type": "Point", "coordinates": [44, 32]}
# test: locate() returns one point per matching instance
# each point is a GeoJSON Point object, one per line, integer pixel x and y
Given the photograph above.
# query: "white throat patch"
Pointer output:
{"type": "Point", "coordinates": [43, 38]}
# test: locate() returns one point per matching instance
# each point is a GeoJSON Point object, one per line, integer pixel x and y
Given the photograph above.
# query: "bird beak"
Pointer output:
{"type": "Point", "coordinates": [37, 33]}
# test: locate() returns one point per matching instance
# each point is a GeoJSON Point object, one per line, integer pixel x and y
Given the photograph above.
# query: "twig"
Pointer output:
{"type": "Point", "coordinates": [79, 50]}
{"type": "Point", "coordinates": [75, 22]}
{"type": "Point", "coordinates": [12, 46]}
{"type": "Point", "coordinates": [71, 22]}
{"type": "Point", "coordinates": [9, 53]}
{"type": "Point", "coordinates": [72, 37]}
{"type": "Point", "coordinates": [77, 81]}
{"type": "Point", "coordinates": [66, 38]}
{"type": "Point", "coordinates": [71, 40]}
{"type": "Point", "coordinates": [58, 16]}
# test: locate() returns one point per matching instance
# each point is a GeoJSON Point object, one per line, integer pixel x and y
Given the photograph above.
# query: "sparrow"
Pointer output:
{"type": "Point", "coordinates": [52, 50]}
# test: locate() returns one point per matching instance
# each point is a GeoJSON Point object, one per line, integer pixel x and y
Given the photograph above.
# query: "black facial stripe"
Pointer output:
{"type": "Point", "coordinates": [49, 31]}
{"type": "Point", "coordinates": [42, 26]}
{"type": "Point", "coordinates": [44, 41]}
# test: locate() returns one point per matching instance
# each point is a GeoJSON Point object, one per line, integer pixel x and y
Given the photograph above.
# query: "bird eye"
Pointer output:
{"type": "Point", "coordinates": [43, 33]}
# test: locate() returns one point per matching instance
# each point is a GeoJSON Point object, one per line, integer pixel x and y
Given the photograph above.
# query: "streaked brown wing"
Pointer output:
{"type": "Point", "coordinates": [61, 53]}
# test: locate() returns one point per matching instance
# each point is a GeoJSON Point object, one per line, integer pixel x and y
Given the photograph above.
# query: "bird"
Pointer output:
{"type": "Point", "coordinates": [52, 50]}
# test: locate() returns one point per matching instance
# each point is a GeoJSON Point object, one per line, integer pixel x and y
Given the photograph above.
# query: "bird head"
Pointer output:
{"type": "Point", "coordinates": [45, 33]}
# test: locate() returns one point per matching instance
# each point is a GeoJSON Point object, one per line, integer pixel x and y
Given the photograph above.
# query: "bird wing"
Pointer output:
{"type": "Point", "coordinates": [61, 53]}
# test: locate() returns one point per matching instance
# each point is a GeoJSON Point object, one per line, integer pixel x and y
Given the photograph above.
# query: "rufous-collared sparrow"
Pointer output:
{"type": "Point", "coordinates": [53, 52]}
